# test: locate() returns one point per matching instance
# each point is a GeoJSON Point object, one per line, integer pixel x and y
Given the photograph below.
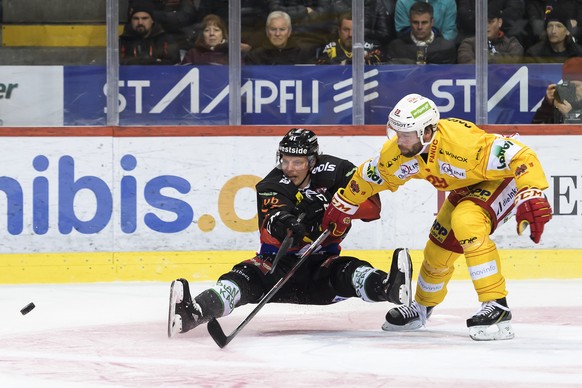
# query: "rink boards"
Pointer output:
{"type": "Point", "coordinates": [118, 208]}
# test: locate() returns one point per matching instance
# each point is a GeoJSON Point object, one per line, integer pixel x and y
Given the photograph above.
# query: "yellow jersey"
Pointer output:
{"type": "Point", "coordinates": [460, 155]}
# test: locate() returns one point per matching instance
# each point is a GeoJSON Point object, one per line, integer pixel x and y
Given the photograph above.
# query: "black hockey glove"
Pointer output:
{"type": "Point", "coordinates": [279, 223]}
{"type": "Point", "coordinates": [313, 205]}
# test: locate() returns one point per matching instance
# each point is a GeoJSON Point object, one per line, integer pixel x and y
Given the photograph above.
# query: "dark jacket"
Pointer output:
{"type": "Point", "coordinates": [514, 22]}
{"type": "Point", "coordinates": [378, 21]}
{"type": "Point", "coordinates": [203, 55]}
{"type": "Point", "coordinates": [542, 52]}
{"type": "Point", "coordinates": [159, 48]}
{"type": "Point", "coordinates": [535, 12]}
{"type": "Point", "coordinates": [403, 51]}
{"type": "Point", "coordinates": [548, 114]}
{"type": "Point", "coordinates": [292, 54]}
{"type": "Point", "coordinates": [501, 50]}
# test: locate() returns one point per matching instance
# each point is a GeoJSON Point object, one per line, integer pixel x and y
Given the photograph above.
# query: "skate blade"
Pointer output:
{"type": "Point", "coordinates": [175, 321]}
{"type": "Point", "coordinates": [410, 326]}
{"type": "Point", "coordinates": [498, 331]}
{"type": "Point", "coordinates": [405, 266]}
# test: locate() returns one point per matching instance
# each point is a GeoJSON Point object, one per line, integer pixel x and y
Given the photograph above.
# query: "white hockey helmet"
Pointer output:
{"type": "Point", "coordinates": [413, 113]}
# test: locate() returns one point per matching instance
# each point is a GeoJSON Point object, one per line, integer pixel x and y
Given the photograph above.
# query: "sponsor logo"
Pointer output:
{"type": "Point", "coordinates": [502, 151]}
{"type": "Point", "coordinates": [344, 97]}
{"type": "Point", "coordinates": [429, 287]}
{"type": "Point", "coordinates": [6, 90]}
{"type": "Point", "coordinates": [420, 110]}
{"type": "Point", "coordinates": [323, 167]}
{"type": "Point", "coordinates": [432, 152]}
{"type": "Point", "coordinates": [371, 173]}
{"type": "Point", "coordinates": [481, 193]}
{"type": "Point", "coordinates": [452, 171]}
{"type": "Point", "coordinates": [293, 150]}
{"type": "Point", "coordinates": [483, 270]}
{"type": "Point", "coordinates": [438, 231]}
{"type": "Point", "coordinates": [408, 169]}
{"type": "Point", "coordinates": [457, 157]}
{"type": "Point", "coordinates": [228, 293]}
{"type": "Point", "coordinates": [468, 241]}
{"type": "Point", "coordinates": [285, 180]}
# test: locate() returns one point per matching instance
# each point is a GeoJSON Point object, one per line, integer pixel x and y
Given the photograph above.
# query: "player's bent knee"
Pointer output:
{"type": "Point", "coordinates": [248, 281]}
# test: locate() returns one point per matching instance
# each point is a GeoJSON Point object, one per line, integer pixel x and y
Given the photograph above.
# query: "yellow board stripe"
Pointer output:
{"type": "Point", "coordinates": [15, 35]}
{"type": "Point", "coordinates": [209, 265]}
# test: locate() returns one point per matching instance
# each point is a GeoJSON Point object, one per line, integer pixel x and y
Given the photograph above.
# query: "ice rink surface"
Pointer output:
{"type": "Point", "coordinates": [114, 335]}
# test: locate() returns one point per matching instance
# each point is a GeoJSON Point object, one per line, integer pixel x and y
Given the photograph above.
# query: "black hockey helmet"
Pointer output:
{"type": "Point", "coordinates": [298, 142]}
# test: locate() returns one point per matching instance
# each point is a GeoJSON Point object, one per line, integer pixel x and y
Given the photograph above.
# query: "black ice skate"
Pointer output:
{"type": "Point", "coordinates": [399, 281]}
{"type": "Point", "coordinates": [183, 314]}
{"type": "Point", "coordinates": [491, 322]}
{"type": "Point", "coordinates": [406, 318]}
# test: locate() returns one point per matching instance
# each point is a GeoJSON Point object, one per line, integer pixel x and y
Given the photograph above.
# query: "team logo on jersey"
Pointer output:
{"type": "Point", "coordinates": [502, 152]}
{"type": "Point", "coordinates": [408, 169]}
{"type": "Point", "coordinates": [452, 171]}
{"type": "Point", "coordinates": [354, 187]}
{"type": "Point", "coordinates": [520, 170]}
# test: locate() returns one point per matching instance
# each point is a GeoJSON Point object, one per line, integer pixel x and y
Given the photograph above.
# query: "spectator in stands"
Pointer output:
{"type": "Point", "coordinates": [211, 46]}
{"type": "Point", "coordinates": [563, 102]}
{"type": "Point", "coordinates": [557, 45]}
{"type": "Point", "coordinates": [313, 20]}
{"type": "Point", "coordinates": [378, 21]}
{"type": "Point", "coordinates": [281, 48]}
{"type": "Point", "coordinates": [422, 44]}
{"type": "Point", "coordinates": [175, 17]}
{"type": "Point", "coordinates": [514, 21]}
{"type": "Point", "coordinates": [536, 11]}
{"type": "Point", "coordinates": [339, 52]}
{"type": "Point", "coordinates": [253, 14]}
{"type": "Point", "coordinates": [444, 12]}
{"type": "Point", "coordinates": [502, 49]}
{"type": "Point", "coordinates": [144, 42]}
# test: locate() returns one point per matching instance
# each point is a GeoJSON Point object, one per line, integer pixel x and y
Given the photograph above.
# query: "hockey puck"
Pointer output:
{"type": "Point", "coordinates": [28, 308]}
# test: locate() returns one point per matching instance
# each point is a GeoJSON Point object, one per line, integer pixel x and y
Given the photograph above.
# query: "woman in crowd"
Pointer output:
{"type": "Point", "coordinates": [211, 47]}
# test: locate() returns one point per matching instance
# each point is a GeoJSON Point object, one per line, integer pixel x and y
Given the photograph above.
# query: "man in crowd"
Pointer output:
{"type": "Point", "coordinates": [563, 102]}
{"type": "Point", "coordinates": [487, 175]}
{"type": "Point", "coordinates": [281, 48]}
{"type": "Point", "coordinates": [144, 42]}
{"type": "Point", "coordinates": [423, 44]}
{"type": "Point", "coordinates": [339, 52]}
{"type": "Point", "coordinates": [291, 201]}
{"type": "Point", "coordinates": [502, 49]}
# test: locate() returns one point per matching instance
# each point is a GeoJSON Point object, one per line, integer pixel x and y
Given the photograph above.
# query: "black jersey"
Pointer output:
{"type": "Point", "coordinates": [276, 192]}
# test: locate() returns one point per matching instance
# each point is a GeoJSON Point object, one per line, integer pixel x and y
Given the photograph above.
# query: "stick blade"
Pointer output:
{"type": "Point", "coordinates": [216, 332]}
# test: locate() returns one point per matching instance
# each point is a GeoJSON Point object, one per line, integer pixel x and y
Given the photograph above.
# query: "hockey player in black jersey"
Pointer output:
{"type": "Point", "coordinates": [292, 199]}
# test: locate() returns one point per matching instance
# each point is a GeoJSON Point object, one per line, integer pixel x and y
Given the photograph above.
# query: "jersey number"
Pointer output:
{"type": "Point", "coordinates": [437, 182]}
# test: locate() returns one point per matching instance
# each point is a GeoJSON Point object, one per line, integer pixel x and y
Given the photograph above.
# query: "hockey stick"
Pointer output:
{"type": "Point", "coordinates": [214, 327]}
{"type": "Point", "coordinates": [287, 242]}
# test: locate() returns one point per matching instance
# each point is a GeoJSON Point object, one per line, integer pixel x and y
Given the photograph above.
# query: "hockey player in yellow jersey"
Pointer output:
{"type": "Point", "coordinates": [489, 177]}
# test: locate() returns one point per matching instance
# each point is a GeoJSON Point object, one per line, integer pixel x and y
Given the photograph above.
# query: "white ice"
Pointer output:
{"type": "Point", "coordinates": [114, 335]}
